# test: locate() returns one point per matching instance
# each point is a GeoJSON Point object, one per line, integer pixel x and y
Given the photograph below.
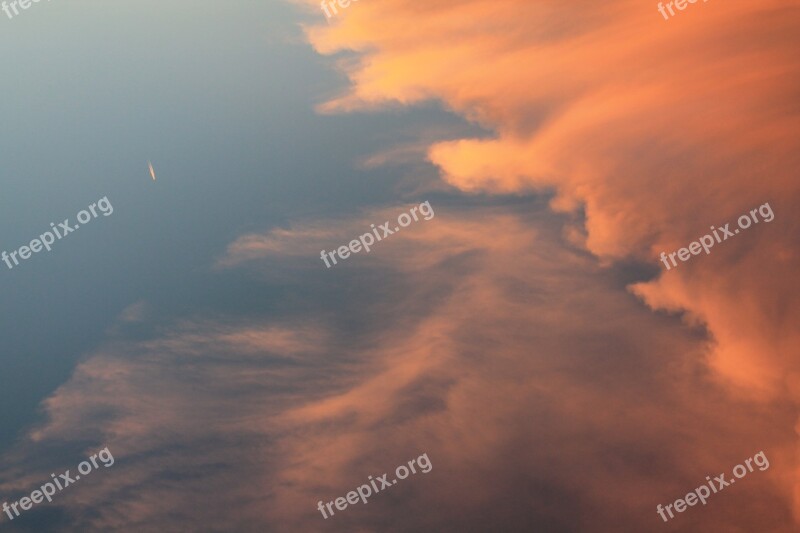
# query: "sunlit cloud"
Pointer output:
{"type": "Point", "coordinates": [509, 358]}
{"type": "Point", "coordinates": [654, 129]}
{"type": "Point", "coordinates": [499, 339]}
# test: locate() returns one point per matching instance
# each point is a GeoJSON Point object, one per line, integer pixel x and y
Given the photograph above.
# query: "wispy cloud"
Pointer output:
{"type": "Point", "coordinates": [511, 359]}
{"type": "Point", "coordinates": [655, 130]}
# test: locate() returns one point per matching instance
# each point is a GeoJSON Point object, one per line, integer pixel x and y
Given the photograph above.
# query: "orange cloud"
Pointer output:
{"type": "Point", "coordinates": [533, 384]}
{"type": "Point", "coordinates": [536, 386]}
{"type": "Point", "coordinates": [655, 129]}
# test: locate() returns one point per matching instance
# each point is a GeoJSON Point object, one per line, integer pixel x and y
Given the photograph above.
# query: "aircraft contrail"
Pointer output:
{"type": "Point", "coordinates": [152, 172]}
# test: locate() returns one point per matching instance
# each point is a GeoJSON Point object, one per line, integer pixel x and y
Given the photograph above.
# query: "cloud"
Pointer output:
{"type": "Point", "coordinates": [654, 130]}
{"type": "Point", "coordinates": [534, 385]}
{"type": "Point", "coordinates": [134, 313]}
{"type": "Point", "coordinates": [545, 395]}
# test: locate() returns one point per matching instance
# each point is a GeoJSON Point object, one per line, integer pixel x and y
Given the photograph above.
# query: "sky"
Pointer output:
{"type": "Point", "coordinates": [525, 338]}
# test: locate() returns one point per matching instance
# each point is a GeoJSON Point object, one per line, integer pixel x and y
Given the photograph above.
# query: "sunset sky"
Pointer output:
{"type": "Point", "coordinates": [527, 339]}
